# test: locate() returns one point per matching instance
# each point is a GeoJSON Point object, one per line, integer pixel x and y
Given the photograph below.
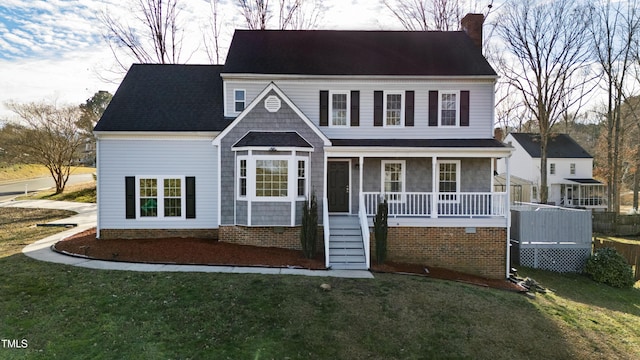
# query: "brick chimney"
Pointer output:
{"type": "Point", "coordinates": [472, 25]}
{"type": "Point", "coordinates": [498, 134]}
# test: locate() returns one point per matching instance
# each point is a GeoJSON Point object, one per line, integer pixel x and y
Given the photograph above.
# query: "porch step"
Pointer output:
{"type": "Point", "coordinates": [346, 251]}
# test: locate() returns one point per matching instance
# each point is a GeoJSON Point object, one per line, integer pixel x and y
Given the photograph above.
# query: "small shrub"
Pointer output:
{"type": "Point", "coordinates": [381, 228]}
{"type": "Point", "coordinates": [607, 266]}
{"type": "Point", "coordinates": [309, 229]}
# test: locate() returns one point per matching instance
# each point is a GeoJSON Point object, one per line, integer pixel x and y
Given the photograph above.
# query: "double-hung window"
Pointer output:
{"type": "Point", "coordinates": [302, 178]}
{"type": "Point", "coordinates": [393, 109]}
{"type": "Point", "coordinates": [572, 168]}
{"type": "Point", "coordinates": [242, 178]}
{"type": "Point", "coordinates": [239, 100]}
{"type": "Point", "coordinates": [552, 168]}
{"type": "Point", "coordinates": [448, 180]}
{"type": "Point", "coordinates": [160, 197]}
{"type": "Point", "coordinates": [393, 179]}
{"type": "Point", "coordinates": [449, 108]}
{"type": "Point", "coordinates": [339, 108]}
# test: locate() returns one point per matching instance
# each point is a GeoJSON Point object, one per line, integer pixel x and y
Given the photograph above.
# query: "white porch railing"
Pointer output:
{"type": "Point", "coordinates": [364, 227]}
{"type": "Point", "coordinates": [462, 204]}
{"type": "Point", "coordinates": [325, 229]}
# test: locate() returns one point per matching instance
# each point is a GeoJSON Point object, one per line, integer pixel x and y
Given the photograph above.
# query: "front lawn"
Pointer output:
{"type": "Point", "coordinates": [69, 312]}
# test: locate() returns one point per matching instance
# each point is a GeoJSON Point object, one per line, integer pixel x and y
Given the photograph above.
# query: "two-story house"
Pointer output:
{"type": "Point", "coordinates": [569, 170]}
{"type": "Point", "coordinates": [354, 117]}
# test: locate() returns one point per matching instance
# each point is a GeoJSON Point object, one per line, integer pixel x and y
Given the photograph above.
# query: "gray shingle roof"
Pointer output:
{"type": "Point", "coordinates": [419, 143]}
{"type": "Point", "coordinates": [559, 146]}
{"type": "Point", "coordinates": [273, 139]}
{"type": "Point", "coordinates": [327, 52]}
{"type": "Point", "coordinates": [155, 97]}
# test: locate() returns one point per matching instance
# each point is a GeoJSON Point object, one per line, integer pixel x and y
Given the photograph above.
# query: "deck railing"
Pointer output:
{"type": "Point", "coordinates": [420, 204]}
{"type": "Point", "coordinates": [364, 227]}
{"type": "Point", "coordinates": [325, 229]}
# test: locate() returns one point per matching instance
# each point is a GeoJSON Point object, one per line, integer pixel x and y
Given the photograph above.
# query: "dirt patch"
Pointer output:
{"type": "Point", "coordinates": [210, 252]}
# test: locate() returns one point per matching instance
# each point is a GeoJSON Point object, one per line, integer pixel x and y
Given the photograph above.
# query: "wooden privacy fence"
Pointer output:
{"type": "Point", "coordinates": [631, 252]}
{"type": "Point", "coordinates": [614, 224]}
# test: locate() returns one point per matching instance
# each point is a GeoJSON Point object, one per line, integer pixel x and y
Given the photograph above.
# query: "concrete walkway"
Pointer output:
{"type": "Point", "coordinates": [86, 219]}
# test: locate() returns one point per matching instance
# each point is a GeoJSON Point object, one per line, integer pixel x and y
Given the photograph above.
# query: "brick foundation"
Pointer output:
{"type": "Point", "coordinates": [267, 236]}
{"type": "Point", "coordinates": [158, 233]}
{"type": "Point", "coordinates": [482, 253]}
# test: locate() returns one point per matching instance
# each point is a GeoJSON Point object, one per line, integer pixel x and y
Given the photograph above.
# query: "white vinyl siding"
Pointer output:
{"type": "Point", "coordinates": [304, 93]}
{"type": "Point", "coordinates": [119, 158]}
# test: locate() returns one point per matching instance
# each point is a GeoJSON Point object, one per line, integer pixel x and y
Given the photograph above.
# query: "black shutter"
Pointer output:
{"type": "Point", "coordinates": [377, 108]}
{"type": "Point", "coordinates": [408, 108]}
{"type": "Point", "coordinates": [355, 108]}
{"type": "Point", "coordinates": [191, 197]}
{"type": "Point", "coordinates": [130, 197]}
{"type": "Point", "coordinates": [433, 108]}
{"type": "Point", "coordinates": [324, 108]}
{"type": "Point", "coordinates": [464, 108]}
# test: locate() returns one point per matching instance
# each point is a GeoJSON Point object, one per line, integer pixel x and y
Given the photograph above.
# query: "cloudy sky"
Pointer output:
{"type": "Point", "coordinates": [53, 50]}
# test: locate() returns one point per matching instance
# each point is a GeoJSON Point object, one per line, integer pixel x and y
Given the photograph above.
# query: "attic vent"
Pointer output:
{"type": "Point", "coordinates": [272, 103]}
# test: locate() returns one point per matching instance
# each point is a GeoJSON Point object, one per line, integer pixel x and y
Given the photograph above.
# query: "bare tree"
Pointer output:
{"type": "Point", "coordinates": [211, 35]}
{"type": "Point", "coordinates": [613, 34]}
{"type": "Point", "coordinates": [47, 135]}
{"type": "Point", "coordinates": [423, 15]}
{"type": "Point", "coordinates": [547, 42]}
{"type": "Point", "coordinates": [292, 14]}
{"type": "Point", "coordinates": [156, 36]}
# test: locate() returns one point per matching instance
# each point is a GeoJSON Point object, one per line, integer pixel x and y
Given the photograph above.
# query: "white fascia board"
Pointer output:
{"type": "Point", "coordinates": [272, 148]}
{"type": "Point", "coordinates": [249, 76]}
{"type": "Point", "coordinates": [156, 135]}
{"type": "Point", "coordinates": [379, 151]}
{"type": "Point", "coordinates": [257, 100]}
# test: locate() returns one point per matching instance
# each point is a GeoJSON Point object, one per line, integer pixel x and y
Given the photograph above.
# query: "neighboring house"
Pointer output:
{"type": "Point", "coordinates": [353, 117]}
{"type": "Point", "coordinates": [569, 170]}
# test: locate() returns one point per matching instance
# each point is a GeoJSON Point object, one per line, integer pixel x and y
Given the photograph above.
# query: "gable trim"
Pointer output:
{"type": "Point", "coordinates": [258, 100]}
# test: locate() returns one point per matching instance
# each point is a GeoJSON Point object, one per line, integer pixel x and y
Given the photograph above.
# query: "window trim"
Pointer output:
{"type": "Point", "coordinates": [244, 102]}
{"type": "Point", "coordinates": [160, 197]}
{"type": "Point", "coordinates": [456, 198]}
{"type": "Point", "coordinates": [292, 178]}
{"type": "Point", "coordinates": [347, 94]}
{"type": "Point", "coordinates": [403, 179]}
{"type": "Point", "coordinates": [441, 93]}
{"type": "Point", "coordinates": [385, 95]}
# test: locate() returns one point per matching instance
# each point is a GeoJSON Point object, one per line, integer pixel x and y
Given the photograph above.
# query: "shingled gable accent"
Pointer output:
{"type": "Point", "coordinates": [259, 100]}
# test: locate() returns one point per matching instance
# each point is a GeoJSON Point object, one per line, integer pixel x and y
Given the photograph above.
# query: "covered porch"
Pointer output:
{"type": "Point", "coordinates": [585, 193]}
{"type": "Point", "coordinates": [426, 183]}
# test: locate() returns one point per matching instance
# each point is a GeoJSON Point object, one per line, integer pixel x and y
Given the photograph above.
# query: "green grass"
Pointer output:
{"type": "Point", "coordinates": [67, 312]}
{"type": "Point", "coordinates": [17, 228]}
{"type": "Point", "coordinates": [83, 192]}
{"type": "Point", "coordinates": [31, 171]}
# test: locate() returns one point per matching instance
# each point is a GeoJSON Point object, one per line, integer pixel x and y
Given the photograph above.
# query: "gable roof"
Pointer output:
{"type": "Point", "coordinates": [259, 99]}
{"type": "Point", "coordinates": [272, 139]}
{"type": "Point", "coordinates": [330, 52]}
{"type": "Point", "coordinates": [559, 146]}
{"type": "Point", "coordinates": [161, 97]}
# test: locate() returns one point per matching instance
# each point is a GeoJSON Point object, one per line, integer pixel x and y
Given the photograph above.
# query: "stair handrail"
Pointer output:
{"type": "Point", "coordinates": [364, 229]}
{"type": "Point", "coordinates": [325, 230]}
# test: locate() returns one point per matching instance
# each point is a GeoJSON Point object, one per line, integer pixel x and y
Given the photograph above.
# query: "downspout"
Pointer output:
{"type": "Point", "coordinates": [508, 210]}
{"type": "Point", "coordinates": [98, 177]}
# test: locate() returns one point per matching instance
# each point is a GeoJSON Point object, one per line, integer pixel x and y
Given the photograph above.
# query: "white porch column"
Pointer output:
{"type": "Point", "coordinates": [361, 174]}
{"type": "Point", "coordinates": [434, 187]}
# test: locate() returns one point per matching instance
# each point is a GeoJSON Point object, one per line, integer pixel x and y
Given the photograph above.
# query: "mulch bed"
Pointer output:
{"type": "Point", "coordinates": [211, 252]}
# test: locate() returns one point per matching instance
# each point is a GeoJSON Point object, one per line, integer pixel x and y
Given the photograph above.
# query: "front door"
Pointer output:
{"type": "Point", "coordinates": [338, 186]}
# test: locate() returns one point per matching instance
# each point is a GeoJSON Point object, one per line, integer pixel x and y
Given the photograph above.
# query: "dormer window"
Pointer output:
{"type": "Point", "coordinates": [239, 100]}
